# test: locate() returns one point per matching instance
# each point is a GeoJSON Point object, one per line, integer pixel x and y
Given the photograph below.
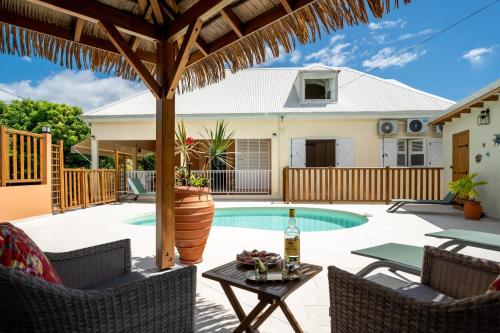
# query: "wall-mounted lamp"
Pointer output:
{"type": "Point", "coordinates": [484, 117]}
{"type": "Point", "coordinates": [46, 129]}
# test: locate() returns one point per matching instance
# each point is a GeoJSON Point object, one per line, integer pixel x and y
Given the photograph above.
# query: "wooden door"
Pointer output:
{"type": "Point", "coordinates": [320, 153]}
{"type": "Point", "coordinates": [460, 165]}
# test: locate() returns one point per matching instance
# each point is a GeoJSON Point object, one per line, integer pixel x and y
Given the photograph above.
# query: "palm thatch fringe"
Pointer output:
{"type": "Point", "coordinates": [302, 27]}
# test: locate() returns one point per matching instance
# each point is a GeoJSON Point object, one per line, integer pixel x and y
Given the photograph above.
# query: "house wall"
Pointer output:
{"type": "Point", "coordinates": [18, 202]}
{"type": "Point", "coordinates": [489, 167]}
{"type": "Point", "coordinates": [367, 145]}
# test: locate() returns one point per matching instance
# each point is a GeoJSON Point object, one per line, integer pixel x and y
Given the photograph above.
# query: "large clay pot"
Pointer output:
{"type": "Point", "coordinates": [194, 212]}
{"type": "Point", "coordinates": [472, 210]}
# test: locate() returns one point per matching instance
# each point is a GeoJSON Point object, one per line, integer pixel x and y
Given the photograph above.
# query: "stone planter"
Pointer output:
{"type": "Point", "coordinates": [194, 212]}
{"type": "Point", "coordinates": [472, 210]}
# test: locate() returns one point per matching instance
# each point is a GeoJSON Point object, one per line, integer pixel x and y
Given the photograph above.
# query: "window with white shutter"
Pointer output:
{"type": "Point", "coordinates": [253, 154]}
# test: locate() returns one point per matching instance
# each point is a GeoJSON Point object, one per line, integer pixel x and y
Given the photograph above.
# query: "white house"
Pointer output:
{"type": "Point", "coordinates": [300, 117]}
{"type": "Point", "coordinates": [471, 142]}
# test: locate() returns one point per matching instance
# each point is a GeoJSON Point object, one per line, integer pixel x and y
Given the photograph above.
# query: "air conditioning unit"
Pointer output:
{"type": "Point", "coordinates": [388, 127]}
{"type": "Point", "coordinates": [437, 129]}
{"type": "Point", "coordinates": [417, 126]}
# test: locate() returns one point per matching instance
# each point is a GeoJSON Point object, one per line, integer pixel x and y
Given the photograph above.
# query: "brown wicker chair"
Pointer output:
{"type": "Point", "coordinates": [100, 294]}
{"type": "Point", "coordinates": [360, 305]}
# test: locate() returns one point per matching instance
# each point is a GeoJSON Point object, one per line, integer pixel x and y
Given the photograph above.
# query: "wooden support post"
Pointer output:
{"type": "Point", "coordinates": [117, 171]}
{"type": "Point", "coordinates": [4, 157]}
{"type": "Point", "coordinates": [62, 184]}
{"type": "Point", "coordinates": [45, 158]}
{"type": "Point", "coordinates": [286, 198]}
{"type": "Point", "coordinates": [387, 186]}
{"type": "Point", "coordinates": [165, 158]}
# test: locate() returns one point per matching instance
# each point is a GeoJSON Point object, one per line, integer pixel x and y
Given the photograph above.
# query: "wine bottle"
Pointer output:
{"type": "Point", "coordinates": [292, 248]}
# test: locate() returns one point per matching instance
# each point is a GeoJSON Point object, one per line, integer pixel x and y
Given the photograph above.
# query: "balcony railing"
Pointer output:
{"type": "Point", "coordinates": [221, 181]}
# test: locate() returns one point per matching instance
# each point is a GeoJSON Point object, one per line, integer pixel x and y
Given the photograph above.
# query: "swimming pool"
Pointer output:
{"type": "Point", "coordinates": [276, 218]}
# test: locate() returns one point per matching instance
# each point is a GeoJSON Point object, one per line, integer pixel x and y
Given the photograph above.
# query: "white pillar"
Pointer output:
{"type": "Point", "coordinates": [94, 152]}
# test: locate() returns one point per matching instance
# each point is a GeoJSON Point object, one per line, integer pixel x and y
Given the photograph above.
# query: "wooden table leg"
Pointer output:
{"type": "Point", "coordinates": [251, 317]}
{"type": "Point", "coordinates": [291, 319]}
{"type": "Point", "coordinates": [263, 317]}
{"type": "Point", "coordinates": [240, 313]}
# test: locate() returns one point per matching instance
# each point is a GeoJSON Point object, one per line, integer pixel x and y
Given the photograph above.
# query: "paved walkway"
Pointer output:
{"type": "Point", "coordinates": [81, 228]}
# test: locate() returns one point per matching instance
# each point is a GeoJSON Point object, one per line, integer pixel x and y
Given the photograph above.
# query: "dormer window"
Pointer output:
{"type": "Point", "coordinates": [317, 89]}
{"type": "Point", "coordinates": [318, 86]}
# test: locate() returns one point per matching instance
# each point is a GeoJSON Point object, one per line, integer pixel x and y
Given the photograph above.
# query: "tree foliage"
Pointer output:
{"type": "Point", "coordinates": [64, 120]}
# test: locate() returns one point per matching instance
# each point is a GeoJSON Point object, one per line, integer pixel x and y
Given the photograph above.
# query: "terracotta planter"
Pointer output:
{"type": "Point", "coordinates": [472, 210]}
{"type": "Point", "coordinates": [194, 212]}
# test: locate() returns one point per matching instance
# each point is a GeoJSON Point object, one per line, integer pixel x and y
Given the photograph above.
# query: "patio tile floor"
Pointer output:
{"type": "Point", "coordinates": [81, 228]}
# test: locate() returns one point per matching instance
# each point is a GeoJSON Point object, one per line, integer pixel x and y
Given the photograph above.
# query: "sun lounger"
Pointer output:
{"type": "Point", "coordinates": [463, 238]}
{"type": "Point", "coordinates": [395, 256]}
{"type": "Point", "coordinates": [398, 203]}
{"type": "Point", "coordinates": [408, 258]}
{"type": "Point", "coordinates": [137, 189]}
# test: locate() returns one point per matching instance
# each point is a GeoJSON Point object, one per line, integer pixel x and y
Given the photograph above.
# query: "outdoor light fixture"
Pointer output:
{"type": "Point", "coordinates": [484, 117]}
{"type": "Point", "coordinates": [46, 129]}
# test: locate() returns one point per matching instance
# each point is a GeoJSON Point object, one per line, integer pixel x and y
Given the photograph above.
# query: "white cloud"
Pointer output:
{"type": "Point", "coordinates": [389, 56]}
{"type": "Point", "coordinates": [385, 24]}
{"type": "Point", "coordinates": [26, 58]}
{"type": "Point", "coordinates": [336, 54]}
{"type": "Point", "coordinates": [379, 39]}
{"type": "Point", "coordinates": [83, 89]}
{"type": "Point", "coordinates": [476, 56]}
{"type": "Point", "coordinates": [295, 57]}
{"type": "Point", "coordinates": [416, 34]}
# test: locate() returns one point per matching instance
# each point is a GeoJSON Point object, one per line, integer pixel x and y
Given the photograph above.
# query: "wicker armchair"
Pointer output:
{"type": "Point", "coordinates": [360, 305]}
{"type": "Point", "coordinates": [100, 294]}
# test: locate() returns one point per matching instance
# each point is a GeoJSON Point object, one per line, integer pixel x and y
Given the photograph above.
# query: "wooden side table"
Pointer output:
{"type": "Point", "coordinates": [270, 294]}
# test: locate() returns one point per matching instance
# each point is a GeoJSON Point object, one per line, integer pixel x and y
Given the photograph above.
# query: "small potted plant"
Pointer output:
{"type": "Point", "coordinates": [466, 189]}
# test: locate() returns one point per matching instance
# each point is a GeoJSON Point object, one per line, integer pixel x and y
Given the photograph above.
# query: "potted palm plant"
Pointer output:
{"type": "Point", "coordinates": [194, 206]}
{"type": "Point", "coordinates": [466, 189]}
{"type": "Point", "coordinates": [215, 149]}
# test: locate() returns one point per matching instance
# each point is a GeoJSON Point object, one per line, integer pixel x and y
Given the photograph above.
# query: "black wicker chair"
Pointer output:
{"type": "Point", "coordinates": [360, 305]}
{"type": "Point", "coordinates": [100, 294]}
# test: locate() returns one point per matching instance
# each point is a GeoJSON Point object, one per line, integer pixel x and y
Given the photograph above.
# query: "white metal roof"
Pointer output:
{"type": "Point", "coordinates": [263, 91]}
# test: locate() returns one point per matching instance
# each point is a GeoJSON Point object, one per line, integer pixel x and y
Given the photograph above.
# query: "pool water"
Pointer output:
{"type": "Point", "coordinates": [276, 218]}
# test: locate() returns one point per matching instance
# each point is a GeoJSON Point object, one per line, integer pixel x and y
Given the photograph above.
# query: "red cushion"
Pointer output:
{"type": "Point", "coordinates": [18, 251]}
{"type": "Point", "coordinates": [495, 285]}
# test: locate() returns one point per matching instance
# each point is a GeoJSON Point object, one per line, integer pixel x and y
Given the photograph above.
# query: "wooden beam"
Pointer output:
{"type": "Point", "coordinates": [251, 26]}
{"type": "Point", "coordinates": [202, 46]}
{"type": "Point", "coordinates": [79, 23]}
{"type": "Point", "coordinates": [66, 34]}
{"type": "Point", "coordinates": [93, 11]}
{"type": "Point", "coordinates": [233, 21]}
{"type": "Point", "coordinates": [183, 56]}
{"type": "Point", "coordinates": [134, 61]}
{"type": "Point", "coordinates": [157, 12]}
{"type": "Point", "coordinates": [465, 111]}
{"type": "Point", "coordinates": [477, 105]}
{"type": "Point", "coordinates": [202, 10]}
{"type": "Point", "coordinates": [491, 98]}
{"type": "Point", "coordinates": [288, 5]}
{"type": "Point", "coordinates": [165, 160]}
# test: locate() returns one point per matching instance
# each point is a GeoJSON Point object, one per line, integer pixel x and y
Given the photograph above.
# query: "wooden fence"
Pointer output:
{"type": "Point", "coordinates": [22, 157]}
{"type": "Point", "coordinates": [360, 184]}
{"type": "Point", "coordinates": [85, 187]}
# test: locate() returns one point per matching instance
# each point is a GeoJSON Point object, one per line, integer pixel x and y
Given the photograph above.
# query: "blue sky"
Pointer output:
{"type": "Point", "coordinates": [453, 64]}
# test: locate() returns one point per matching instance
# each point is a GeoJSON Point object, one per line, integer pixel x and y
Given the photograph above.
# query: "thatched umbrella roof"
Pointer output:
{"type": "Point", "coordinates": [236, 33]}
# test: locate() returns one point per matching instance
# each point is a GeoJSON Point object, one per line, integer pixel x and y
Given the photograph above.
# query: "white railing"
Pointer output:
{"type": "Point", "coordinates": [237, 181]}
{"type": "Point", "coordinates": [147, 178]}
{"type": "Point", "coordinates": [221, 181]}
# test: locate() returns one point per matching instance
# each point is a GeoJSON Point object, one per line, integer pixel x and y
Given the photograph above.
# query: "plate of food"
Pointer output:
{"type": "Point", "coordinates": [248, 257]}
